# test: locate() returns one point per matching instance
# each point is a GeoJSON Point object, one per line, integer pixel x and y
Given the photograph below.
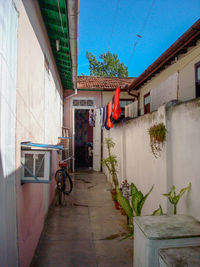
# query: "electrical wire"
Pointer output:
{"type": "Point", "coordinates": [113, 25]}
{"type": "Point", "coordinates": [139, 36]}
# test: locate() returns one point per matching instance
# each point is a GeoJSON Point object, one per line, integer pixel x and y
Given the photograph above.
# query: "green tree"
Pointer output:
{"type": "Point", "coordinates": [108, 65]}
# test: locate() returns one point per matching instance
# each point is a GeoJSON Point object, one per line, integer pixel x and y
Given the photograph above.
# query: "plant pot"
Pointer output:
{"type": "Point", "coordinates": [116, 205]}
{"type": "Point", "coordinates": [122, 211]}
{"type": "Point", "coordinates": [113, 193]}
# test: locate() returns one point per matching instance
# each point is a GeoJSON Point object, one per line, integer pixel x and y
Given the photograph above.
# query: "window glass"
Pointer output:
{"type": "Point", "coordinates": [198, 73]}
{"type": "Point", "coordinates": [124, 103]}
{"type": "Point", "coordinates": [147, 99]}
{"type": "Point", "coordinates": [28, 164]}
{"type": "Point", "coordinates": [39, 165]}
{"type": "Point", "coordinates": [83, 102]}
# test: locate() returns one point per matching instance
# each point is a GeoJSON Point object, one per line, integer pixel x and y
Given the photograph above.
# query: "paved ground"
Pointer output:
{"type": "Point", "coordinates": [80, 233]}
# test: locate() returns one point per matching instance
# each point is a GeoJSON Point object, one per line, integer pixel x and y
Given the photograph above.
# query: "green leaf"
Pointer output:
{"type": "Point", "coordinates": [173, 198]}
{"type": "Point", "coordinates": [143, 200]}
{"type": "Point", "coordinates": [183, 190]}
{"type": "Point", "coordinates": [158, 212]}
{"type": "Point", "coordinates": [133, 189]}
{"type": "Point", "coordinates": [108, 65]}
{"type": "Point", "coordinates": [136, 199]}
{"type": "Point", "coordinates": [124, 203]}
{"type": "Point", "coordinates": [130, 235]}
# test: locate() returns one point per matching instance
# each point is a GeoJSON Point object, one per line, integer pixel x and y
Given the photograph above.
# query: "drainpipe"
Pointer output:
{"type": "Point", "coordinates": [137, 97]}
{"type": "Point", "coordinates": [73, 11]}
{"type": "Point", "coordinates": [69, 96]}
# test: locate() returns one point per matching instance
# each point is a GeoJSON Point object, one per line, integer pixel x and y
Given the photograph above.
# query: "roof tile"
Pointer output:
{"type": "Point", "coordinates": [103, 83]}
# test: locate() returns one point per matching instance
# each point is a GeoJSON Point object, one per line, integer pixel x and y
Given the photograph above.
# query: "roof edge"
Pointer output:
{"type": "Point", "coordinates": [175, 49]}
{"type": "Point", "coordinates": [73, 13]}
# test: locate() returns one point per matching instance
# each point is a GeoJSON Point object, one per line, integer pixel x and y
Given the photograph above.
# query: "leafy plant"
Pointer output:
{"type": "Point", "coordinates": [157, 135]}
{"type": "Point", "coordinates": [158, 212]}
{"type": "Point", "coordinates": [174, 198]}
{"type": "Point", "coordinates": [111, 161]}
{"type": "Point", "coordinates": [135, 208]}
{"type": "Point", "coordinates": [108, 65]}
{"type": "Point", "coordinates": [138, 199]}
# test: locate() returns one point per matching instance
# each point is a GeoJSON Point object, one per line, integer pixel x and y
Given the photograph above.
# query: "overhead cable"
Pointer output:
{"type": "Point", "coordinates": [139, 35]}
{"type": "Point", "coordinates": [113, 25]}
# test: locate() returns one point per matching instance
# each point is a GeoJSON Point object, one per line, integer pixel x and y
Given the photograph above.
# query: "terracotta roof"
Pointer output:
{"type": "Point", "coordinates": [188, 39]}
{"type": "Point", "coordinates": [102, 83]}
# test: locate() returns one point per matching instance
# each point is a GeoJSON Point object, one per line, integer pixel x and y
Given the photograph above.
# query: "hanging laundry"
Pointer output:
{"type": "Point", "coordinates": [92, 117]}
{"type": "Point", "coordinates": [116, 112]}
{"type": "Point", "coordinates": [101, 117]}
{"type": "Point", "coordinates": [106, 118]}
{"type": "Point", "coordinates": [109, 123]}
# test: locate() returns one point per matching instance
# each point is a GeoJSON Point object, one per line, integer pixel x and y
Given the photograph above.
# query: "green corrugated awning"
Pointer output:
{"type": "Point", "coordinates": [54, 13]}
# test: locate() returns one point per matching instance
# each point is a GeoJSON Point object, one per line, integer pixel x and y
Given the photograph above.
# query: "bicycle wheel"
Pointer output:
{"type": "Point", "coordinates": [68, 185]}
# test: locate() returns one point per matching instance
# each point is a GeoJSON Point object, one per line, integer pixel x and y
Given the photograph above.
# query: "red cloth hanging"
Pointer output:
{"type": "Point", "coordinates": [109, 123]}
{"type": "Point", "coordinates": [116, 112]}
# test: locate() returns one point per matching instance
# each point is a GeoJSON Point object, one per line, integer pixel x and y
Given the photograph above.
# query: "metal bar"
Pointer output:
{"type": "Point", "coordinates": [68, 158]}
{"type": "Point", "coordinates": [29, 171]}
{"type": "Point", "coordinates": [35, 181]}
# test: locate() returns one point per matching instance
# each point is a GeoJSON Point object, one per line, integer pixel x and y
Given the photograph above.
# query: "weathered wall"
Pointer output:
{"type": "Point", "coordinates": [107, 97]}
{"type": "Point", "coordinates": [39, 119]}
{"type": "Point", "coordinates": [81, 94]}
{"type": "Point", "coordinates": [136, 162]}
{"type": "Point", "coordinates": [185, 87]}
{"type": "Point", "coordinates": [8, 66]}
{"type": "Point", "coordinates": [183, 154]}
{"type": "Point", "coordinates": [179, 161]}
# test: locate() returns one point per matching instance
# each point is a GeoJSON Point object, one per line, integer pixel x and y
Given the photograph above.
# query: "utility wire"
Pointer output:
{"type": "Point", "coordinates": [139, 36]}
{"type": "Point", "coordinates": [113, 25]}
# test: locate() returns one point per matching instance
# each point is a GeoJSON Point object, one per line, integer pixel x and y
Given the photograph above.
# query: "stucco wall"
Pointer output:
{"type": "Point", "coordinates": [179, 161]}
{"type": "Point", "coordinates": [183, 154]}
{"type": "Point", "coordinates": [136, 162]}
{"type": "Point", "coordinates": [8, 73]}
{"type": "Point", "coordinates": [107, 97]}
{"type": "Point", "coordinates": [184, 67]}
{"type": "Point", "coordinates": [39, 119]}
{"type": "Point", "coordinates": [97, 96]}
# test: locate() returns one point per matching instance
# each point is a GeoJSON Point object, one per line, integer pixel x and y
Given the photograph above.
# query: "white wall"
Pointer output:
{"type": "Point", "coordinates": [183, 154]}
{"type": "Point", "coordinates": [8, 58]}
{"type": "Point", "coordinates": [39, 119]}
{"type": "Point", "coordinates": [176, 81]}
{"type": "Point", "coordinates": [178, 163]}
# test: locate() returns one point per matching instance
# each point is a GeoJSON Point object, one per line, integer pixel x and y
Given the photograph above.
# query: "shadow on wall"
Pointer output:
{"type": "Point", "coordinates": [22, 215]}
{"type": "Point", "coordinates": [8, 220]}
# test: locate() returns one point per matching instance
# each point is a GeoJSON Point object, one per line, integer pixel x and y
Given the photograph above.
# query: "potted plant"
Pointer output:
{"type": "Point", "coordinates": [111, 163]}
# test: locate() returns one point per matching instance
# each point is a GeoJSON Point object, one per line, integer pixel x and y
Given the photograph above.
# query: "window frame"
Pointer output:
{"type": "Point", "coordinates": [144, 105]}
{"type": "Point", "coordinates": [47, 166]}
{"type": "Point", "coordinates": [197, 81]}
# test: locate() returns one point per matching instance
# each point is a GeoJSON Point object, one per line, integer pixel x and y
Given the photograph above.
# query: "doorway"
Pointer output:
{"type": "Point", "coordinates": [83, 139]}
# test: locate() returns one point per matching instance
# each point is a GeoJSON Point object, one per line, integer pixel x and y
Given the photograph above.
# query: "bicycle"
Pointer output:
{"type": "Point", "coordinates": [63, 181]}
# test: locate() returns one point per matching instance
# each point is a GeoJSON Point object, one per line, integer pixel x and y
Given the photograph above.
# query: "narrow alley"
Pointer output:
{"type": "Point", "coordinates": [87, 231]}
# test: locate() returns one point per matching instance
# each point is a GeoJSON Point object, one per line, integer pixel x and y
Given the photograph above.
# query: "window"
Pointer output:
{"type": "Point", "coordinates": [147, 103]}
{"type": "Point", "coordinates": [35, 166]}
{"type": "Point", "coordinates": [197, 79]}
{"type": "Point", "coordinates": [83, 102]}
{"type": "Point", "coordinates": [125, 102]}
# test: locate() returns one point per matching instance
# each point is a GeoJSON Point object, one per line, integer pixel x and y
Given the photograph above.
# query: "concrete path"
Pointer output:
{"type": "Point", "coordinates": [80, 233]}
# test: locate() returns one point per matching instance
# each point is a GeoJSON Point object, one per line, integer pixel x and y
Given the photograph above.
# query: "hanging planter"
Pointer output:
{"type": "Point", "coordinates": [157, 135]}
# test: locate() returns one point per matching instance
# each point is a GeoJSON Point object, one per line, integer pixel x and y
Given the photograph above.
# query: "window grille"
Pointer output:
{"type": "Point", "coordinates": [83, 103]}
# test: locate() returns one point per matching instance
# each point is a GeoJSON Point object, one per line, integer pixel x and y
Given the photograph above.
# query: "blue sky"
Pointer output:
{"type": "Point", "coordinates": [103, 26]}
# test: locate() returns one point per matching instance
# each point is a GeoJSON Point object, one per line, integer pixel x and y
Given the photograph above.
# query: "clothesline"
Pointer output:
{"type": "Point", "coordinates": [109, 114]}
